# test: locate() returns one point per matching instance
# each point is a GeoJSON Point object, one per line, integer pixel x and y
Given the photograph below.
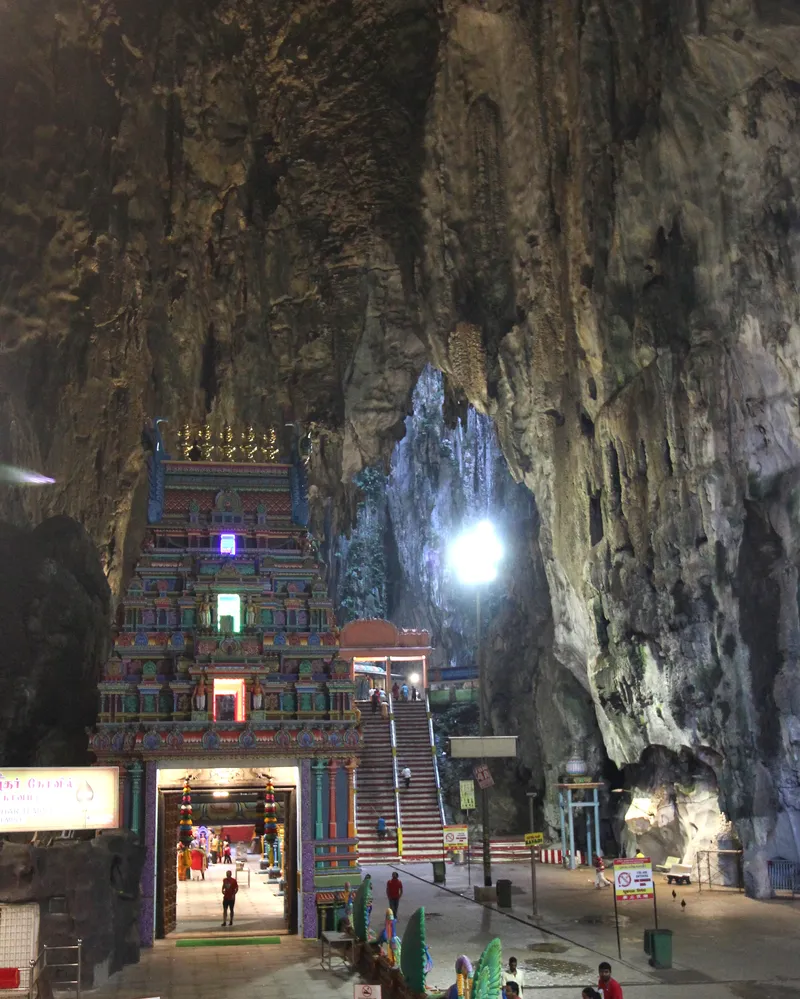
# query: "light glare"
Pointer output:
{"type": "Point", "coordinates": [475, 555]}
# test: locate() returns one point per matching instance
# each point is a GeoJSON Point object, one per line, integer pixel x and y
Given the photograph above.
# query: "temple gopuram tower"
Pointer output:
{"type": "Point", "coordinates": [225, 667]}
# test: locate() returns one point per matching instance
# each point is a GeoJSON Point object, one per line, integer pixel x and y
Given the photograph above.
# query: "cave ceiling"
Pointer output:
{"type": "Point", "coordinates": [584, 213]}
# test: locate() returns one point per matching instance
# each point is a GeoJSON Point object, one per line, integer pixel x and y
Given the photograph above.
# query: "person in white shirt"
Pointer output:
{"type": "Point", "coordinates": [514, 974]}
{"type": "Point", "coordinates": [405, 773]}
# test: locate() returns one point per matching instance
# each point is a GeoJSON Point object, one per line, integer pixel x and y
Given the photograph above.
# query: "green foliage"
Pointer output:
{"type": "Point", "coordinates": [488, 979]}
{"type": "Point", "coordinates": [413, 958]}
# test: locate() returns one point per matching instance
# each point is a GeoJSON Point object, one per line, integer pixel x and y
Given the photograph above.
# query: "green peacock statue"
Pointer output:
{"type": "Point", "coordinates": [362, 908]}
{"type": "Point", "coordinates": [487, 982]}
{"type": "Point", "coordinates": [414, 953]}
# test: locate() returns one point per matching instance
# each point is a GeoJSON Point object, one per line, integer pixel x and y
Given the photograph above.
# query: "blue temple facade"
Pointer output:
{"type": "Point", "coordinates": [225, 660]}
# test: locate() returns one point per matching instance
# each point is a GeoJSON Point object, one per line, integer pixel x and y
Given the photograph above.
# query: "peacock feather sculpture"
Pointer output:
{"type": "Point", "coordinates": [362, 907]}
{"type": "Point", "coordinates": [414, 954]}
{"type": "Point", "coordinates": [487, 983]}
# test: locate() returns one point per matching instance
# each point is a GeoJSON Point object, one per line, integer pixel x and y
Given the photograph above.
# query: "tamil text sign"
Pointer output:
{"type": "Point", "coordinates": [467, 788]}
{"type": "Point", "coordinates": [483, 776]}
{"type": "Point", "coordinates": [633, 879]}
{"type": "Point", "coordinates": [456, 838]}
{"type": "Point", "coordinates": [41, 799]}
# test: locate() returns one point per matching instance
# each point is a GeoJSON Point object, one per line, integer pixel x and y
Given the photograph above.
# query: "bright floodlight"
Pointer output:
{"type": "Point", "coordinates": [414, 678]}
{"type": "Point", "coordinates": [476, 554]}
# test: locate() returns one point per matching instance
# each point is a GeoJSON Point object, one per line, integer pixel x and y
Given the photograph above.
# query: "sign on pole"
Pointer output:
{"type": "Point", "coordinates": [41, 799]}
{"type": "Point", "coordinates": [366, 992]}
{"type": "Point", "coordinates": [534, 839]}
{"type": "Point", "coordinates": [483, 776]}
{"type": "Point", "coordinates": [476, 747]}
{"type": "Point", "coordinates": [633, 879]}
{"type": "Point", "coordinates": [467, 794]}
{"type": "Point", "coordinates": [456, 838]}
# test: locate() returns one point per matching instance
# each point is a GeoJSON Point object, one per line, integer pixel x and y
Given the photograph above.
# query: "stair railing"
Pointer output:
{"type": "Point", "coordinates": [45, 960]}
{"type": "Point", "coordinates": [435, 760]}
{"type": "Point", "coordinates": [395, 780]}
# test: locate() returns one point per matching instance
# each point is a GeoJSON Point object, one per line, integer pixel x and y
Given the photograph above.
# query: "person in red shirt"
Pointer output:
{"type": "Point", "coordinates": [394, 892]}
{"type": "Point", "coordinates": [229, 888]}
{"type": "Point", "coordinates": [609, 987]}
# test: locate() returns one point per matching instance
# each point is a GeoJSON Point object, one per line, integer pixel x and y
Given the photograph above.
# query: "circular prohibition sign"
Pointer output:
{"type": "Point", "coordinates": [623, 879]}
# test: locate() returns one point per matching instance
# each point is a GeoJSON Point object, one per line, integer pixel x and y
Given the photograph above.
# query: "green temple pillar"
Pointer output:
{"type": "Point", "coordinates": [135, 771]}
{"type": "Point", "coordinates": [319, 827]}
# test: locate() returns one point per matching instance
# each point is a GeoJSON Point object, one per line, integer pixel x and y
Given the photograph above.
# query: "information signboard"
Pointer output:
{"type": "Point", "coordinates": [633, 879]}
{"type": "Point", "coordinates": [456, 837]}
{"type": "Point", "coordinates": [467, 794]}
{"type": "Point", "coordinates": [483, 776]}
{"type": "Point", "coordinates": [534, 839]}
{"type": "Point", "coordinates": [40, 799]}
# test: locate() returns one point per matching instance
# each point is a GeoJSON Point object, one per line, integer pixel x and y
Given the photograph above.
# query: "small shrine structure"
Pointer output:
{"type": "Point", "coordinates": [379, 641]}
{"type": "Point", "coordinates": [578, 794]}
{"type": "Point", "coordinates": [226, 661]}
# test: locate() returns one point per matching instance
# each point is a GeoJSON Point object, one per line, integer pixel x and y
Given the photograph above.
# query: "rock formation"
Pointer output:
{"type": "Point", "coordinates": [582, 212]}
{"type": "Point", "coordinates": [56, 609]}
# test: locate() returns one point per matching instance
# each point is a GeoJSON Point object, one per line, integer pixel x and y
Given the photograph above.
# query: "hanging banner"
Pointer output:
{"type": "Point", "coordinates": [41, 799]}
{"type": "Point", "coordinates": [467, 794]}
{"type": "Point", "coordinates": [456, 837]}
{"type": "Point", "coordinates": [633, 879]}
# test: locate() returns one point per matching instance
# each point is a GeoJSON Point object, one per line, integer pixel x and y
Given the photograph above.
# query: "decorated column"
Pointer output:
{"type": "Point", "coordinates": [333, 767]}
{"type": "Point", "coordinates": [309, 904]}
{"type": "Point", "coordinates": [185, 824]}
{"type": "Point", "coordinates": [147, 911]}
{"type": "Point", "coordinates": [319, 826]}
{"type": "Point", "coordinates": [270, 820]}
{"type": "Point", "coordinates": [136, 797]}
{"type": "Point", "coordinates": [351, 766]}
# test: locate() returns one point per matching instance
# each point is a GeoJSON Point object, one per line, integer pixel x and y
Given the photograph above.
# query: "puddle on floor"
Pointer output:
{"type": "Point", "coordinates": [549, 948]}
{"type": "Point", "coordinates": [555, 967]}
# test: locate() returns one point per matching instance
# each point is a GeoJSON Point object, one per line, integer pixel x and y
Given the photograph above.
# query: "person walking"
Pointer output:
{"type": "Point", "coordinates": [608, 987]}
{"type": "Point", "coordinates": [600, 879]}
{"type": "Point", "coordinates": [214, 847]}
{"type": "Point", "coordinates": [380, 827]}
{"type": "Point", "coordinates": [414, 694]}
{"type": "Point", "coordinates": [376, 701]}
{"type": "Point", "coordinates": [229, 888]}
{"type": "Point", "coordinates": [395, 690]}
{"type": "Point", "coordinates": [226, 849]}
{"type": "Point", "coordinates": [404, 691]}
{"type": "Point", "coordinates": [405, 773]}
{"type": "Point", "coordinates": [514, 974]}
{"type": "Point", "coordinates": [394, 892]}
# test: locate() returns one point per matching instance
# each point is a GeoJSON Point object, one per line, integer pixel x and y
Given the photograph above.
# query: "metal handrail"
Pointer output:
{"type": "Point", "coordinates": [435, 759]}
{"type": "Point", "coordinates": [40, 964]}
{"type": "Point", "coordinates": [395, 778]}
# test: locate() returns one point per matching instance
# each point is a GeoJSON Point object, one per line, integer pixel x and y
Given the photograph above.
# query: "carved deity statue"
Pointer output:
{"type": "Point", "coordinates": [250, 613]}
{"type": "Point", "coordinates": [204, 613]}
{"type": "Point", "coordinates": [199, 695]}
{"type": "Point", "coordinates": [256, 695]}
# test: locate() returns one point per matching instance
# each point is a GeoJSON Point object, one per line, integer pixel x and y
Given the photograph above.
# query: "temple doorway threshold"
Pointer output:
{"type": "Point", "coordinates": [259, 907]}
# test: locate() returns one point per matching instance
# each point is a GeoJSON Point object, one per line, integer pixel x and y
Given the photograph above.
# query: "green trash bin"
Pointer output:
{"type": "Point", "coordinates": [661, 948]}
{"type": "Point", "coordinates": [504, 894]}
{"type": "Point", "coordinates": [439, 877]}
{"type": "Point", "coordinates": [648, 941]}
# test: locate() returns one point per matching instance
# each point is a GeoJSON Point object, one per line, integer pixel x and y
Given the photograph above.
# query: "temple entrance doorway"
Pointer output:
{"type": "Point", "coordinates": [227, 809]}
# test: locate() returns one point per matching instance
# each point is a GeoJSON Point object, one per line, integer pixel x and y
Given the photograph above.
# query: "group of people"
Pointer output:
{"type": "Point", "coordinates": [202, 850]}
{"type": "Point", "coordinates": [379, 702]}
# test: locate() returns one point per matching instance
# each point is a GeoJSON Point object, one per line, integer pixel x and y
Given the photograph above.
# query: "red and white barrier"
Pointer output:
{"type": "Point", "coordinates": [510, 850]}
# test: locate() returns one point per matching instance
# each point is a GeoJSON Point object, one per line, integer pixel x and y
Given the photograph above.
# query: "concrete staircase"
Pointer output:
{"type": "Point", "coordinates": [419, 805]}
{"type": "Point", "coordinates": [375, 790]}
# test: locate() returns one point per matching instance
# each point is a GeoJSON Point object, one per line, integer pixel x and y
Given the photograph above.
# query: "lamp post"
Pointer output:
{"type": "Point", "coordinates": [475, 556]}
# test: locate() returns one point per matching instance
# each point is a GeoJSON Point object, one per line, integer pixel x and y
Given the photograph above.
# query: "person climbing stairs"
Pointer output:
{"type": "Point", "coordinates": [375, 796]}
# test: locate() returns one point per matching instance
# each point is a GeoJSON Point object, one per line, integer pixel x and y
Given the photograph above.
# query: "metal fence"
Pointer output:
{"type": "Point", "coordinates": [784, 875]}
{"type": "Point", "coordinates": [718, 869]}
{"type": "Point", "coordinates": [48, 962]}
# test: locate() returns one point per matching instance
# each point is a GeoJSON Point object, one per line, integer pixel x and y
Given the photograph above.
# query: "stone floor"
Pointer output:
{"type": "Point", "coordinates": [724, 945]}
{"type": "Point", "coordinates": [259, 908]}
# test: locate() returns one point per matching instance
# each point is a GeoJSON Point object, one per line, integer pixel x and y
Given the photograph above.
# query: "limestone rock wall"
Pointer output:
{"type": "Point", "coordinates": [86, 889]}
{"type": "Point", "coordinates": [583, 212]}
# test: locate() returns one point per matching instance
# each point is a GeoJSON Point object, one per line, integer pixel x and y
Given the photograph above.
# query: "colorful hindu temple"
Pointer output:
{"type": "Point", "coordinates": [225, 670]}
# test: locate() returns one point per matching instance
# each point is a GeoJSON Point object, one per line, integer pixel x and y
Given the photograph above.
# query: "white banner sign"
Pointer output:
{"type": "Point", "coordinates": [43, 799]}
